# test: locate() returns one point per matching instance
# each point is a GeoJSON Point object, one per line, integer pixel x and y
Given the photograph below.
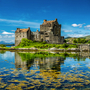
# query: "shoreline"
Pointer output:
{"type": "Point", "coordinates": [50, 49]}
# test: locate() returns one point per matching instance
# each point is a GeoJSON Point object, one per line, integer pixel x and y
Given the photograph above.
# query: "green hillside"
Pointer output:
{"type": "Point", "coordinates": [70, 39]}
{"type": "Point", "coordinates": [87, 37]}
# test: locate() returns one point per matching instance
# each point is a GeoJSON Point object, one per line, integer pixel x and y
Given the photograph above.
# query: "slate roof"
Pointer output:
{"type": "Point", "coordinates": [22, 30]}
{"type": "Point", "coordinates": [48, 22]}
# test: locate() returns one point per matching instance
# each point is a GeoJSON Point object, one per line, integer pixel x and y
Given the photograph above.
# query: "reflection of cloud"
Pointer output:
{"type": "Point", "coordinates": [88, 64]}
{"type": "Point", "coordinates": [21, 23]}
{"type": "Point", "coordinates": [7, 55]}
{"type": "Point", "coordinates": [75, 65]}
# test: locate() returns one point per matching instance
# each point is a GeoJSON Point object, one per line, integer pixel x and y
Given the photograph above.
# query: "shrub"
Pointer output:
{"type": "Point", "coordinates": [25, 42]}
{"type": "Point", "coordinates": [44, 42]}
{"type": "Point", "coordinates": [65, 45]}
{"type": "Point", "coordinates": [74, 41]}
{"type": "Point", "coordinates": [88, 41]}
{"type": "Point", "coordinates": [79, 40]}
{"type": "Point", "coordinates": [2, 45]}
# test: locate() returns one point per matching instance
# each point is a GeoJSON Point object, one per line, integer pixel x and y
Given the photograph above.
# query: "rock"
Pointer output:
{"type": "Point", "coordinates": [33, 48]}
{"type": "Point", "coordinates": [12, 46]}
{"type": "Point", "coordinates": [53, 48]}
{"type": "Point", "coordinates": [61, 49]}
{"type": "Point", "coordinates": [74, 49]}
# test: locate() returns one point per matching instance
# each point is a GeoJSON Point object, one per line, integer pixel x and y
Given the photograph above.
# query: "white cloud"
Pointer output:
{"type": "Point", "coordinates": [0, 36]}
{"type": "Point", "coordinates": [77, 25]}
{"type": "Point", "coordinates": [87, 27]}
{"type": "Point", "coordinates": [21, 23]}
{"type": "Point", "coordinates": [13, 35]}
{"type": "Point", "coordinates": [66, 30]}
{"type": "Point", "coordinates": [7, 38]}
{"type": "Point", "coordinates": [76, 35]}
{"type": "Point", "coordinates": [6, 32]}
{"type": "Point", "coordinates": [13, 30]}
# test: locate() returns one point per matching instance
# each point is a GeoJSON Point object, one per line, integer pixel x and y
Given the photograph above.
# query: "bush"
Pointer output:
{"type": "Point", "coordinates": [74, 41]}
{"type": "Point", "coordinates": [44, 42]}
{"type": "Point", "coordinates": [88, 42]}
{"type": "Point", "coordinates": [25, 42]}
{"type": "Point", "coordinates": [65, 45]}
{"type": "Point", "coordinates": [2, 45]}
{"type": "Point", "coordinates": [79, 40]}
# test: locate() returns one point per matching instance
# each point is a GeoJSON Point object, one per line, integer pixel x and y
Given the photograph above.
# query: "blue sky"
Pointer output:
{"type": "Point", "coordinates": [73, 15]}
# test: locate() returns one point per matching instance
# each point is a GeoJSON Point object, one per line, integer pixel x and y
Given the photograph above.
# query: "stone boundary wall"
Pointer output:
{"type": "Point", "coordinates": [84, 47]}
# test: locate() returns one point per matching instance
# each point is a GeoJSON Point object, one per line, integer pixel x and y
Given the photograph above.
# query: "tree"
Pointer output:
{"type": "Point", "coordinates": [89, 41]}
{"type": "Point", "coordinates": [79, 40]}
{"type": "Point", "coordinates": [74, 41]}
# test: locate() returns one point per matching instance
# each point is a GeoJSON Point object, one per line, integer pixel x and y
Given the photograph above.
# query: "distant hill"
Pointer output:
{"type": "Point", "coordinates": [87, 37]}
{"type": "Point", "coordinates": [2, 42]}
{"type": "Point", "coordinates": [70, 39]}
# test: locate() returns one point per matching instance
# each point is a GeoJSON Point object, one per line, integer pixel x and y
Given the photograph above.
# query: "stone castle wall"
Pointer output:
{"type": "Point", "coordinates": [19, 36]}
{"type": "Point", "coordinates": [50, 31]}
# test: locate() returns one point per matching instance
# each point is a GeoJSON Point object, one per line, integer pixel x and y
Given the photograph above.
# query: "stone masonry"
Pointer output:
{"type": "Point", "coordinates": [50, 31]}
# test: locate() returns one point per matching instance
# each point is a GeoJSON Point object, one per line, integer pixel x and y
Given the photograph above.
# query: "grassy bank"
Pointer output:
{"type": "Point", "coordinates": [25, 43]}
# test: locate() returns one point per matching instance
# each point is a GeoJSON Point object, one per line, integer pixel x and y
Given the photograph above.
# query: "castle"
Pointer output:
{"type": "Point", "coordinates": [50, 31]}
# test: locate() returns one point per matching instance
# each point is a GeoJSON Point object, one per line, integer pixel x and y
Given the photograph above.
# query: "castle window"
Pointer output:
{"type": "Point", "coordinates": [46, 34]}
{"type": "Point", "coordinates": [23, 36]}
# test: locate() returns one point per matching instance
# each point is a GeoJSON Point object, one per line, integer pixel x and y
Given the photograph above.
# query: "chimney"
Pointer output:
{"type": "Point", "coordinates": [45, 20]}
{"type": "Point", "coordinates": [28, 27]}
{"type": "Point", "coordinates": [18, 28]}
{"type": "Point", "coordinates": [56, 19]}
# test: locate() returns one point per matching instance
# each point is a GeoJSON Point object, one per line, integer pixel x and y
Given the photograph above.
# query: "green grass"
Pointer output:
{"type": "Point", "coordinates": [25, 43]}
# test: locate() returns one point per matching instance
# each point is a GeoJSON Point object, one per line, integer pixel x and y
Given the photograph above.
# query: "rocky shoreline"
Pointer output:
{"type": "Point", "coordinates": [50, 49]}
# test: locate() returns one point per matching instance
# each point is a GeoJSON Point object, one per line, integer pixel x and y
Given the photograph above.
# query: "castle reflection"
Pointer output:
{"type": "Point", "coordinates": [20, 64]}
{"type": "Point", "coordinates": [47, 63]}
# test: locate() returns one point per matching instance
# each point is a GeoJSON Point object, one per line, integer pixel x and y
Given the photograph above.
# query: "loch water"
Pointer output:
{"type": "Point", "coordinates": [44, 71]}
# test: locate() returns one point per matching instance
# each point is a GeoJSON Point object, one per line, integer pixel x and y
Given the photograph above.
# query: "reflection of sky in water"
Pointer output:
{"type": "Point", "coordinates": [71, 63]}
{"type": "Point", "coordinates": [43, 73]}
{"type": "Point", "coordinates": [7, 59]}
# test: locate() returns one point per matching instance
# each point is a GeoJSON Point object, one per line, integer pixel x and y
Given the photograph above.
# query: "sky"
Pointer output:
{"type": "Point", "coordinates": [73, 15]}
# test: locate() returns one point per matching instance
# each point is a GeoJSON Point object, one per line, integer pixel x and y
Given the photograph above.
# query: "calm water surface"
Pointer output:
{"type": "Point", "coordinates": [42, 71]}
